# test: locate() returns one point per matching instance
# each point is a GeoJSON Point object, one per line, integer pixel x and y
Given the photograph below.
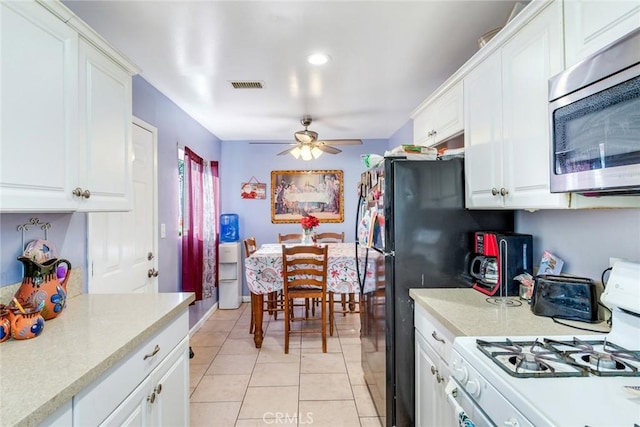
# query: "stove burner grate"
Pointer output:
{"type": "Point", "coordinates": [529, 359]}
{"type": "Point", "coordinates": [600, 357]}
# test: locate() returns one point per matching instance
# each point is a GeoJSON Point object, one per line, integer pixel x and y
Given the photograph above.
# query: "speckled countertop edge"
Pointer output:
{"type": "Point", "coordinates": [65, 372]}
{"type": "Point", "coordinates": [466, 312]}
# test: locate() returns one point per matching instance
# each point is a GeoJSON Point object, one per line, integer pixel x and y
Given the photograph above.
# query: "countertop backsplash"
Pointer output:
{"type": "Point", "coordinates": [74, 287]}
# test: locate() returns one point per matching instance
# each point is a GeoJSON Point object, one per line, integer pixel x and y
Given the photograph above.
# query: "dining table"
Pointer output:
{"type": "Point", "coordinates": [263, 272]}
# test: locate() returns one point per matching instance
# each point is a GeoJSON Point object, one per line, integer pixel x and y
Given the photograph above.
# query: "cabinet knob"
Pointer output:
{"type": "Point", "coordinates": [152, 272]}
{"type": "Point", "coordinates": [439, 378]}
{"type": "Point", "coordinates": [434, 132]}
{"type": "Point", "coordinates": [433, 370]}
{"type": "Point", "coordinates": [151, 398]}
{"type": "Point", "coordinates": [78, 192]}
{"type": "Point", "coordinates": [158, 389]}
{"type": "Point", "coordinates": [149, 256]}
{"type": "Point", "coordinates": [504, 191]}
{"type": "Point", "coordinates": [494, 191]}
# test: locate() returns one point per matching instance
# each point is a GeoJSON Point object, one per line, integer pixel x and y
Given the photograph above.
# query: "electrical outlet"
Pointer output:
{"type": "Point", "coordinates": [613, 260]}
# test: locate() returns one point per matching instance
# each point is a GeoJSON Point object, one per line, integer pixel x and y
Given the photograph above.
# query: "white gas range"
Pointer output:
{"type": "Point", "coordinates": [559, 381]}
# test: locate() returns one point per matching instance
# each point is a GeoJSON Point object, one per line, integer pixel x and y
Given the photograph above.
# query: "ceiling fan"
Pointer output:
{"type": "Point", "coordinates": [307, 145]}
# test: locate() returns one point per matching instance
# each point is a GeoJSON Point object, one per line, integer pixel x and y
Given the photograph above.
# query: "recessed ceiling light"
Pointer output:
{"type": "Point", "coordinates": [318, 58]}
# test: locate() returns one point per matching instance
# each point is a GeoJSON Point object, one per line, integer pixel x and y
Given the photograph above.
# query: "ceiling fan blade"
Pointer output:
{"type": "Point", "coordinates": [328, 149]}
{"type": "Point", "coordinates": [272, 143]}
{"type": "Point", "coordinates": [342, 141]}
{"type": "Point", "coordinates": [287, 151]}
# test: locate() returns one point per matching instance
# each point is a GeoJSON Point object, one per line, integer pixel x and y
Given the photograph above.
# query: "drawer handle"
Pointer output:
{"type": "Point", "coordinates": [155, 351]}
{"type": "Point", "coordinates": [436, 337]}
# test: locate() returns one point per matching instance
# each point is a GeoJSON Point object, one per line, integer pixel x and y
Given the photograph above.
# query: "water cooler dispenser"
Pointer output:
{"type": "Point", "coordinates": [229, 263]}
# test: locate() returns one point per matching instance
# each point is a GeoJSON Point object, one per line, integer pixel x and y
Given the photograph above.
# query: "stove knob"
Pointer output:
{"type": "Point", "coordinates": [512, 422]}
{"type": "Point", "coordinates": [473, 387]}
{"type": "Point", "coordinates": [460, 373]}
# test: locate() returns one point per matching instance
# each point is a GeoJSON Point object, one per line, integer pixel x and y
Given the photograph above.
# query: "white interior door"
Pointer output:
{"type": "Point", "coordinates": [122, 245]}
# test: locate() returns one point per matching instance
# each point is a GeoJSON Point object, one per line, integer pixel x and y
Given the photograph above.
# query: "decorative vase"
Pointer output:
{"type": "Point", "coordinates": [26, 325]}
{"type": "Point", "coordinates": [308, 237]}
{"type": "Point", "coordinates": [40, 283]}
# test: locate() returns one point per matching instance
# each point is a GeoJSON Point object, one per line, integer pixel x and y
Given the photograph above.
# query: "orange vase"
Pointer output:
{"type": "Point", "coordinates": [40, 283]}
{"type": "Point", "coordinates": [26, 325]}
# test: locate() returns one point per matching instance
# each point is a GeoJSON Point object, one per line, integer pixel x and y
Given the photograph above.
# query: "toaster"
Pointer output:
{"type": "Point", "coordinates": [565, 297]}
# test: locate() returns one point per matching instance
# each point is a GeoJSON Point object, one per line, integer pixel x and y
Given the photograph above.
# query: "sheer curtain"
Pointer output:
{"type": "Point", "coordinates": [210, 227]}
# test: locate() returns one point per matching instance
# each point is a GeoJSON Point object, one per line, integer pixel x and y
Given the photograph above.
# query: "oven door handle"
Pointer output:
{"type": "Point", "coordinates": [451, 391]}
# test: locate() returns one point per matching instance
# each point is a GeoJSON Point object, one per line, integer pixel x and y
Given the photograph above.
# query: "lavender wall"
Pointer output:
{"type": "Point", "coordinates": [67, 233]}
{"type": "Point", "coordinates": [175, 128]}
{"type": "Point", "coordinates": [584, 239]}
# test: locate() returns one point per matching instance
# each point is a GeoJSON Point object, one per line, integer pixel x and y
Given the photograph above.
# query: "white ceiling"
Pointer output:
{"type": "Point", "coordinates": [386, 58]}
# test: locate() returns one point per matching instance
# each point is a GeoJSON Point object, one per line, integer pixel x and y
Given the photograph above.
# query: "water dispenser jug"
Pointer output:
{"type": "Point", "coordinates": [229, 229]}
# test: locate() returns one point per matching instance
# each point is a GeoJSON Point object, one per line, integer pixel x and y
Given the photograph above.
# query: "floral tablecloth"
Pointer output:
{"type": "Point", "coordinates": [263, 269]}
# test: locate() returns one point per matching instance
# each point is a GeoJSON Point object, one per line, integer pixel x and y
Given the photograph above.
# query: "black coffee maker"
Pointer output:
{"type": "Point", "coordinates": [498, 258]}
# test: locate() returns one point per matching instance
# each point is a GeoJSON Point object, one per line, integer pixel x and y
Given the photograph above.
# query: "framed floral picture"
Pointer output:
{"type": "Point", "coordinates": [295, 194]}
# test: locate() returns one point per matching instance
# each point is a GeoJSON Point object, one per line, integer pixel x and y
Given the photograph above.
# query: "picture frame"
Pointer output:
{"type": "Point", "coordinates": [253, 189]}
{"type": "Point", "coordinates": [297, 193]}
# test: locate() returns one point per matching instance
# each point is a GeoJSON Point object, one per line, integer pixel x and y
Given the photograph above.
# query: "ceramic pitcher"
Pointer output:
{"type": "Point", "coordinates": [40, 283]}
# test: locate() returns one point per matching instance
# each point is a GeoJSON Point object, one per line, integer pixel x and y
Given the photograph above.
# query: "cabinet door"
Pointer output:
{"type": "Point", "coordinates": [426, 384]}
{"type": "Point", "coordinates": [448, 114]}
{"type": "Point", "coordinates": [171, 388]}
{"type": "Point", "coordinates": [38, 118]}
{"type": "Point", "coordinates": [105, 132]}
{"type": "Point", "coordinates": [423, 125]}
{"type": "Point", "coordinates": [134, 411]}
{"type": "Point", "coordinates": [591, 25]}
{"type": "Point", "coordinates": [529, 59]}
{"type": "Point", "coordinates": [483, 134]}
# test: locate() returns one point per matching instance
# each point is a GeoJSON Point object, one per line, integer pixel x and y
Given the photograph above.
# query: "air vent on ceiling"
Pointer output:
{"type": "Point", "coordinates": [247, 85]}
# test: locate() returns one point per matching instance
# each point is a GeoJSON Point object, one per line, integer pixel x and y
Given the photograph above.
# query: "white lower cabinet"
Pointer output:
{"type": "Point", "coordinates": [162, 398]}
{"type": "Point", "coordinates": [149, 387]}
{"type": "Point", "coordinates": [433, 348]}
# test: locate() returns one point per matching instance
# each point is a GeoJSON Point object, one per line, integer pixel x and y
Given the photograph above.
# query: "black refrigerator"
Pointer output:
{"type": "Point", "coordinates": [413, 231]}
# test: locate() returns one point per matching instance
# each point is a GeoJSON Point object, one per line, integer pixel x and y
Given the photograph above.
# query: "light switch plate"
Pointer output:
{"type": "Point", "coordinates": [163, 231]}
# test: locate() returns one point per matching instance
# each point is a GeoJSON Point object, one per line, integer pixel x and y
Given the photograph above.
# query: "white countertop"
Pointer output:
{"type": "Point", "coordinates": [92, 334]}
{"type": "Point", "coordinates": [466, 312]}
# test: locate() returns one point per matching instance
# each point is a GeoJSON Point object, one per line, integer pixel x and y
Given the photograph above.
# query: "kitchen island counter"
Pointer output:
{"type": "Point", "coordinates": [92, 334]}
{"type": "Point", "coordinates": [466, 312]}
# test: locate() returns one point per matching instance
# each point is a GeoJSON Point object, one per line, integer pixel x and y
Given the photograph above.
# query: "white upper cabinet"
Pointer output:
{"type": "Point", "coordinates": [507, 135]}
{"type": "Point", "coordinates": [591, 25]}
{"type": "Point", "coordinates": [65, 121]}
{"type": "Point", "coordinates": [38, 119]}
{"type": "Point", "coordinates": [439, 118]}
{"type": "Point", "coordinates": [104, 132]}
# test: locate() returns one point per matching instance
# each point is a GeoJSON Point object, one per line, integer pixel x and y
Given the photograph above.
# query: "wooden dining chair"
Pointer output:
{"type": "Point", "coordinates": [273, 301]}
{"type": "Point", "coordinates": [304, 271]}
{"type": "Point", "coordinates": [289, 238]}
{"type": "Point", "coordinates": [330, 237]}
{"type": "Point", "coordinates": [346, 306]}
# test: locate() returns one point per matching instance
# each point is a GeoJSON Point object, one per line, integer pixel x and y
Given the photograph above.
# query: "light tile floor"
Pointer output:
{"type": "Point", "coordinates": [235, 384]}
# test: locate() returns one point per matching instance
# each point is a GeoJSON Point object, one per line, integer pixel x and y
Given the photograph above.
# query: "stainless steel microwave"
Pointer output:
{"type": "Point", "coordinates": [595, 122]}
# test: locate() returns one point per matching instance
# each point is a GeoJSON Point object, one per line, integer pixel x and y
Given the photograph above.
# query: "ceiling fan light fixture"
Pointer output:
{"type": "Point", "coordinates": [296, 152]}
{"type": "Point", "coordinates": [318, 58]}
{"type": "Point", "coordinates": [316, 152]}
{"type": "Point", "coordinates": [305, 152]}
